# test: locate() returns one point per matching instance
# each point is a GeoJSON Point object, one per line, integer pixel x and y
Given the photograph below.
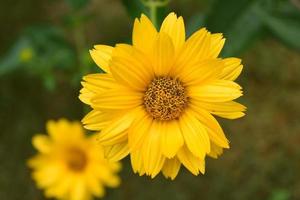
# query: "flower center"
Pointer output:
{"type": "Point", "coordinates": [165, 98]}
{"type": "Point", "coordinates": [76, 159]}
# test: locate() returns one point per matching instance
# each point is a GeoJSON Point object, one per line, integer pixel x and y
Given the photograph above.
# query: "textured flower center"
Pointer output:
{"type": "Point", "coordinates": [165, 98]}
{"type": "Point", "coordinates": [76, 159]}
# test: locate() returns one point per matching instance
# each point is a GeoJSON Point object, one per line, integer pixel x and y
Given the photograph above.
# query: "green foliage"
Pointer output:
{"type": "Point", "coordinates": [40, 51]}
{"type": "Point", "coordinates": [13, 59]}
{"type": "Point", "coordinates": [77, 4]}
{"type": "Point", "coordinates": [285, 24]}
{"type": "Point", "coordinates": [244, 21]}
{"type": "Point", "coordinates": [280, 195]}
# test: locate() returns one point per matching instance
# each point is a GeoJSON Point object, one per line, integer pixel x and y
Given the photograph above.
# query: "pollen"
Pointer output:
{"type": "Point", "coordinates": [76, 159]}
{"type": "Point", "coordinates": [165, 98]}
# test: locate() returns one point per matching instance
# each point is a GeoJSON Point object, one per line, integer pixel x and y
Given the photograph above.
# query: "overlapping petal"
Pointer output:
{"type": "Point", "coordinates": [216, 91]}
{"type": "Point", "coordinates": [171, 138]}
{"type": "Point", "coordinates": [95, 84]}
{"type": "Point", "coordinates": [171, 168]}
{"type": "Point", "coordinates": [163, 55]}
{"type": "Point", "coordinates": [129, 68]}
{"type": "Point", "coordinates": [194, 134]}
{"type": "Point", "coordinates": [190, 161]}
{"type": "Point", "coordinates": [194, 50]}
{"type": "Point", "coordinates": [144, 34]}
{"type": "Point", "coordinates": [101, 54]}
{"type": "Point", "coordinates": [117, 151]}
{"type": "Point", "coordinates": [201, 72]}
{"type": "Point", "coordinates": [153, 159]}
{"type": "Point", "coordinates": [232, 69]}
{"type": "Point", "coordinates": [229, 110]}
{"type": "Point", "coordinates": [174, 27]}
{"type": "Point", "coordinates": [110, 100]}
{"type": "Point", "coordinates": [213, 128]}
{"type": "Point", "coordinates": [117, 130]}
{"type": "Point", "coordinates": [217, 43]}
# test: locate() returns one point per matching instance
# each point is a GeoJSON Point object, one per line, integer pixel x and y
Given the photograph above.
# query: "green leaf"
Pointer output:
{"type": "Point", "coordinates": [284, 27]}
{"type": "Point", "coordinates": [243, 32]}
{"type": "Point", "coordinates": [224, 13]}
{"type": "Point", "coordinates": [238, 20]}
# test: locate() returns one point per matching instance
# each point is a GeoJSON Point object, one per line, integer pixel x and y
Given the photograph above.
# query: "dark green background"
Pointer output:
{"type": "Point", "coordinates": [264, 159]}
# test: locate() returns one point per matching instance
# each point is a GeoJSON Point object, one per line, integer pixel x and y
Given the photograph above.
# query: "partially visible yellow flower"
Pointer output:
{"type": "Point", "coordinates": [69, 165]}
{"type": "Point", "coordinates": [158, 96]}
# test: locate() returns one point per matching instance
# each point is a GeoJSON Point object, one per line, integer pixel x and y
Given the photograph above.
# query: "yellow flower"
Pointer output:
{"type": "Point", "coordinates": [69, 165]}
{"type": "Point", "coordinates": [157, 99]}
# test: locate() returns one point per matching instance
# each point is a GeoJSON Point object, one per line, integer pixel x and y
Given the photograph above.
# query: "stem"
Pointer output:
{"type": "Point", "coordinates": [153, 5]}
{"type": "Point", "coordinates": [153, 14]}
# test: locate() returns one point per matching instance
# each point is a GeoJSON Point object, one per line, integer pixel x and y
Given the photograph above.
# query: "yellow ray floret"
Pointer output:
{"type": "Point", "coordinates": [158, 97]}
{"type": "Point", "coordinates": [70, 165]}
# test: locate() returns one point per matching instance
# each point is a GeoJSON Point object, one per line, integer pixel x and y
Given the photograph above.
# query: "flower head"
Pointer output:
{"type": "Point", "coordinates": [70, 165]}
{"type": "Point", "coordinates": [158, 97]}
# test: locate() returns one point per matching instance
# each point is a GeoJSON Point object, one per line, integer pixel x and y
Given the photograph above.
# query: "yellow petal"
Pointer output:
{"type": "Point", "coordinates": [194, 134]}
{"type": "Point", "coordinates": [214, 130]}
{"type": "Point", "coordinates": [217, 43]}
{"type": "Point", "coordinates": [48, 175]}
{"type": "Point", "coordinates": [42, 143]}
{"type": "Point", "coordinates": [79, 190]}
{"type": "Point", "coordinates": [130, 67]}
{"type": "Point", "coordinates": [116, 152]}
{"type": "Point", "coordinates": [63, 130]}
{"type": "Point", "coordinates": [95, 84]}
{"type": "Point", "coordinates": [171, 168]}
{"type": "Point", "coordinates": [216, 151]}
{"type": "Point", "coordinates": [174, 27]}
{"type": "Point", "coordinates": [144, 34]}
{"type": "Point", "coordinates": [105, 174]}
{"type": "Point", "coordinates": [151, 151]}
{"type": "Point", "coordinates": [136, 159]}
{"type": "Point", "coordinates": [94, 185]}
{"type": "Point", "coordinates": [171, 138]}
{"type": "Point", "coordinates": [139, 129]}
{"type": "Point", "coordinates": [117, 99]}
{"type": "Point", "coordinates": [192, 163]}
{"type": "Point", "coordinates": [97, 120]}
{"type": "Point", "coordinates": [117, 130]}
{"type": "Point", "coordinates": [102, 55]}
{"type": "Point", "coordinates": [61, 188]}
{"type": "Point", "coordinates": [229, 110]}
{"type": "Point", "coordinates": [117, 134]}
{"type": "Point", "coordinates": [216, 91]}
{"type": "Point", "coordinates": [232, 69]}
{"type": "Point", "coordinates": [195, 49]}
{"type": "Point", "coordinates": [201, 72]}
{"type": "Point", "coordinates": [99, 82]}
{"type": "Point", "coordinates": [163, 55]}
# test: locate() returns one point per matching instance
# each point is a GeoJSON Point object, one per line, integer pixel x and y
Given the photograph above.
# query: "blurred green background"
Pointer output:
{"type": "Point", "coordinates": [44, 53]}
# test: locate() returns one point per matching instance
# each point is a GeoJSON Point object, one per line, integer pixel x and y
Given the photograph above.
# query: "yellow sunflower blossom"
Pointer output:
{"type": "Point", "coordinates": [158, 97]}
{"type": "Point", "coordinates": [69, 165]}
